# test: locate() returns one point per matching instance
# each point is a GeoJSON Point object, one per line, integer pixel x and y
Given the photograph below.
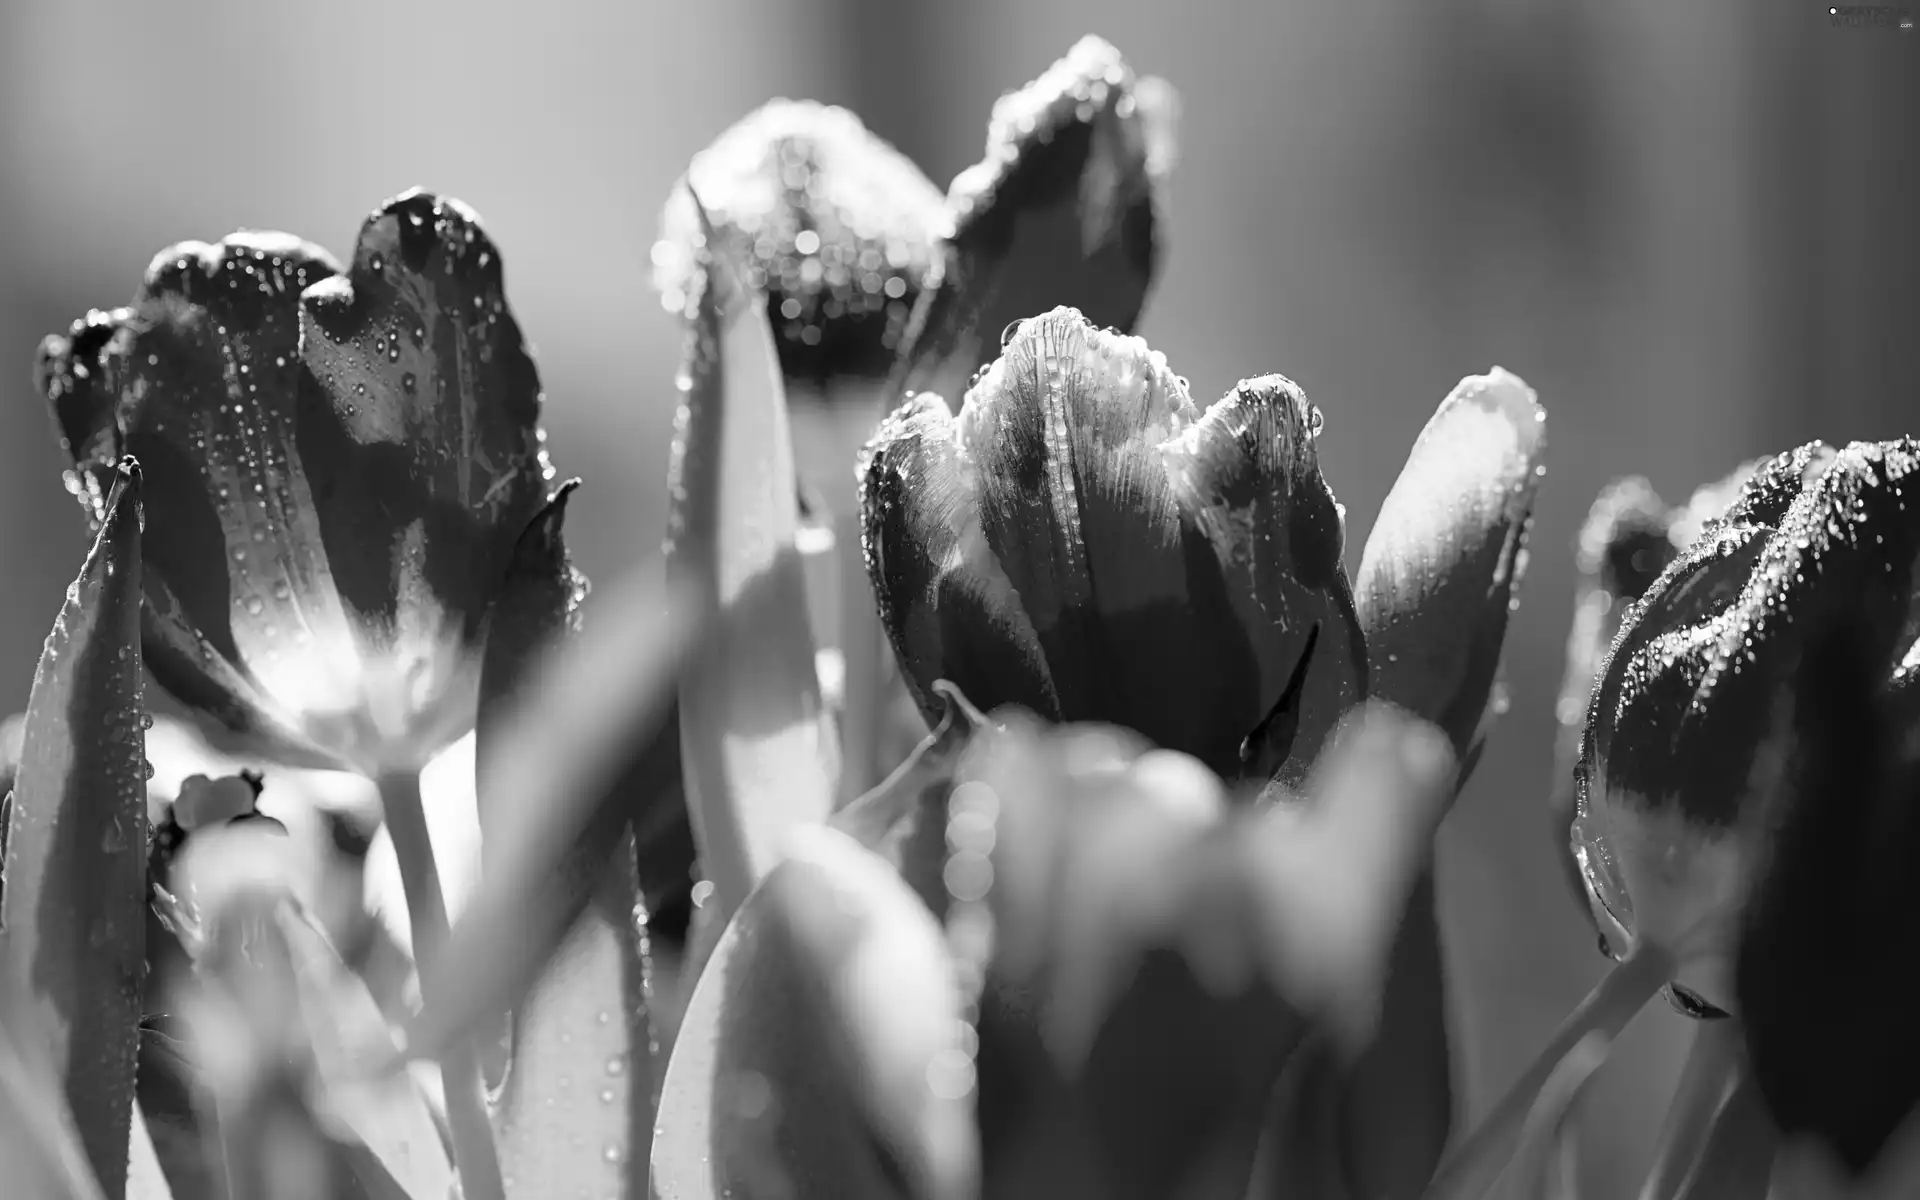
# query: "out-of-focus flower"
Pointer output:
{"type": "Point", "coordinates": [1083, 541]}
{"type": "Point", "coordinates": [338, 463]}
{"type": "Point", "coordinates": [1680, 738]}
{"type": "Point", "coordinates": [1629, 538]}
{"type": "Point", "coordinates": [1443, 564]}
{"type": "Point", "coordinates": [1831, 930]}
{"type": "Point", "coordinates": [1128, 963]}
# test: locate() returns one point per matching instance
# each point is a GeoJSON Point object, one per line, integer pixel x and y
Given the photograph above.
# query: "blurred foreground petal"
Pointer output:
{"type": "Point", "coordinates": [38, 1142]}
{"type": "Point", "coordinates": [73, 925]}
{"type": "Point", "coordinates": [823, 1053]}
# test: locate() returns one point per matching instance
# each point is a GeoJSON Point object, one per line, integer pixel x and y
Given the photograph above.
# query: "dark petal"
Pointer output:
{"type": "Point", "coordinates": [1443, 564]}
{"type": "Point", "coordinates": [949, 610]}
{"type": "Point", "coordinates": [76, 866]}
{"type": "Point", "coordinates": [198, 379]}
{"type": "Point", "coordinates": [1061, 210]}
{"type": "Point", "coordinates": [1829, 936]}
{"type": "Point", "coordinates": [836, 227]}
{"type": "Point", "coordinates": [1248, 481]}
{"type": "Point", "coordinates": [429, 450]}
{"type": "Point", "coordinates": [1695, 704]}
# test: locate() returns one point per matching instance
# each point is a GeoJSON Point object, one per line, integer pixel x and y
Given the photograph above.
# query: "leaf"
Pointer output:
{"type": "Point", "coordinates": [904, 819]}
{"type": "Point", "coordinates": [74, 914]}
{"type": "Point", "coordinates": [576, 1114]}
{"type": "Point", "coordinates": [573, 726]}
{"type": "Point", "coordinates": [821, 1055]}
{"type": "Point", "coordinates": [756, 760]}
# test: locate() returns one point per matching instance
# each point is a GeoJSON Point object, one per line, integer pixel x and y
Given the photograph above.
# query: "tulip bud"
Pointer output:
{"type": "Point", "coordinates": [1677, 744]}
{"type": "Point", "coordinates": [1442, 567]}
{"type": "Point", "coordinates": [1062, 210]}
{"type": "Point", "coordinates": [1083, 541]}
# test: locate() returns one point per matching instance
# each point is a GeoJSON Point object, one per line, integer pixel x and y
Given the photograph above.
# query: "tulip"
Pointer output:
{"type": "Point", "coordinates": [339, 461]}
{"type": "Point", "coordinates": [1681, 745]}
{"type": "Point", "coordinates": [1081, 540]}
{"type": "Point", "coordinates": [1680, 717]}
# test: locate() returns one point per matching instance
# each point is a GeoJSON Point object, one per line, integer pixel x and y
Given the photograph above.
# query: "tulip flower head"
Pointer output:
{"type": "Point", "coordinates": [339, 461]}
{"type": "Point", "coordinates": [1083, 541]}
{"type": "Point", "coordinates": [1680, 732]}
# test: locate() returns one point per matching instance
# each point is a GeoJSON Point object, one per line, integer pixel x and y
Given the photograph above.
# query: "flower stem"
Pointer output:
{"type": "Point", "coordinates": [474, 1154]}
{"type": "Point", "coordinates": [1473, 1168]}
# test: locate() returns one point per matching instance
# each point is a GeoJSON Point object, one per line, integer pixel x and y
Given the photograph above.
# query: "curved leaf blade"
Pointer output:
{"type": "Point", "coordinates": [74, 912]}
{"type": "Point", "coordinates": [753, 729]}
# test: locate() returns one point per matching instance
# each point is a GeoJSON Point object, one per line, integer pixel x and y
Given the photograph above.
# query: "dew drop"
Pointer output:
{"type": "Point", "coordinates": [1010, 332]}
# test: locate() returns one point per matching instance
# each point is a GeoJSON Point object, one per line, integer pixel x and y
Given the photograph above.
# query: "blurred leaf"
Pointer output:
{"type": "Point", "coordinates": [537, 603]}
{"type": "Point", "coordinates": [39, 1147]}
{"type": "Point", "coordinates": [74, 915]}
{"type": "Point", "coordinates": [576, 1115]}
{"type": "Point", "coordinates": [278, 1023]}
{"type": "Point", "coordinates": [756, 758]}
{"type": "Point", "coordinates": [822, 1052]}
{"type": "Point", "coordinates": [1708, 1080]}
{"type": "Point", "coordinates": [574, 724]}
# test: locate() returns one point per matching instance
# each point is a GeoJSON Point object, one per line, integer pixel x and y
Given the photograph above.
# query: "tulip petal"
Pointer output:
{"type": "Point", "coordinates": [1246, 475]}
{"type": "Point", "coordinates": [1846, 537]}
{"type": "Point", "coordinates": [1062, 210]}
{"type": "Point", "coordinates": [822, 1046]}
{"type": "Point", "coordinates": [1835, 915]}
{"type": "Point", "coordinates": [948, 608]}
{"type": "Point", "coordinates": [834, 225]}
{"type": "Point", "coordinates": [1443, 563]}
{"type": "Point", "coordinates": [209, 413]}
{"type": "Point", "coordinates": [76, 865]}
{"type": "Point", "coordinates": [758, 760]}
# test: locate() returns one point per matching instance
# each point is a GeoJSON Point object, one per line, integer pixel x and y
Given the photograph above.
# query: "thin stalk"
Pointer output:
{"type": "Point", "coordinates": [475, 1157]}
{"type": "Point", "coordinates": [863, 649]}
{"type": "Point", "coordinates": [1707, 1082]}
{"type": "Point", "coordinates": [1473, 1168]}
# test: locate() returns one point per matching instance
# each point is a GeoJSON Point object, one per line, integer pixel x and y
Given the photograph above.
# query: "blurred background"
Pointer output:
{"type": "Point", "coordinates": [1692, 228]}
